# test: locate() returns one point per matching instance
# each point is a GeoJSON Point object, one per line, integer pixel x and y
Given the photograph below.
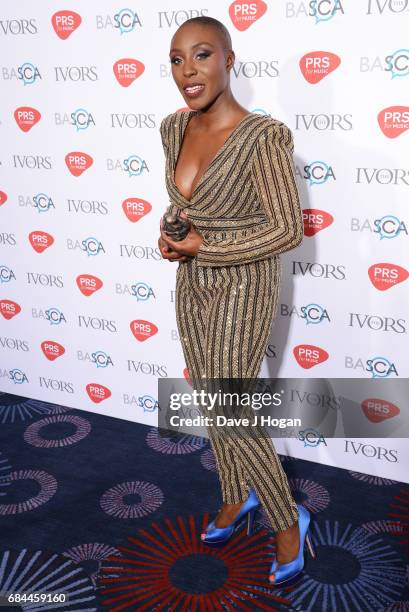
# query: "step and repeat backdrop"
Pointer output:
{"type": "Point", "coordinates": [87, 311]}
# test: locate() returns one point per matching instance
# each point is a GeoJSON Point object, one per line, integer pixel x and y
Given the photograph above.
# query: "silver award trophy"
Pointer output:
{"type": "Point", "coordinates": [175, 226]}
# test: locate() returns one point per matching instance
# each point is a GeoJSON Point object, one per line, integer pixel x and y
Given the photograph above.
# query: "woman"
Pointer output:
{"type": "Point", "coordinates": [231, 174]}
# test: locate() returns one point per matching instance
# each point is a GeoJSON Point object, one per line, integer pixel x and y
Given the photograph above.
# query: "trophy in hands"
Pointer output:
{"type": "Point", "coordinates": [175, 226]}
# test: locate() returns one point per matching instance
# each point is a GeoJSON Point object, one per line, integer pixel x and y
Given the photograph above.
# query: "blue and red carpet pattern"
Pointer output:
{"type": "Point", "coordinates": [110, 513]}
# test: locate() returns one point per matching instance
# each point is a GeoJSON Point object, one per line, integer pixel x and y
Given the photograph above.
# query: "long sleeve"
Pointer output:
{"type": "Point", "coordinates": [272, 171]}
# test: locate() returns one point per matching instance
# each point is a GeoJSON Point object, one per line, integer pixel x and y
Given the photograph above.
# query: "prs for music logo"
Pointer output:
{"type": "Point", "coordinates": [316, 65]}
{"type": "Point", "coordinates": [243, 14]}
{"type": "Point", "coordinates": [65, 23]}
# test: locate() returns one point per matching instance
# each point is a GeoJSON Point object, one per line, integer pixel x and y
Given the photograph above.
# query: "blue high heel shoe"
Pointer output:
{"type": "Point", "coordinates": [217, 535]}
{"type": "Point", "coordinates": [288, 571]}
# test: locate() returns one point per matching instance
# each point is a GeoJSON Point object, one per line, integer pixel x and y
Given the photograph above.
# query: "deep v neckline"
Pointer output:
{"type": "Point", "coordinates": [185, 120]}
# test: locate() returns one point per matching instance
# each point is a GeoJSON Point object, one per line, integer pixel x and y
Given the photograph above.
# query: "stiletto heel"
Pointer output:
{"type": "Point", "coordinates": [219, 535]}
{"type": "Point", "coordinates": [310, 546]}
{"type": "Point", "coordinates": [250, 520]}
{"type": "Point", "coordinates": [288, 571]}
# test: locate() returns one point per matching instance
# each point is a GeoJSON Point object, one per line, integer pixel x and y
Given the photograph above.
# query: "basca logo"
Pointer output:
{"type": "Point", "coordinates": [383, 176]}
{"type": "Point", "coordinates": [308, 355]}
{"type": "Point", "coordinates": [41, 201]}
{"type": "Point", "coordinates": [318, 270]}
{"type": "Point", "coordinates": [75, 73]}
{"type": "Point", "coordinates": [80, 118]}
{"type": "Point", "coordinates": [26, 117]}
{"type": "Point", "coordinates": [390, 6]}
{"type": "Point", "coordinates": [383, 276]}
{"type": "Point", "coordinates": [377, 323]}
{"type": "Point", "coordinates": [97, 324]}
{"type": "Point", "coordinates": [142, 330]}
{"type": "Point", "coordinates": [6, 274]}
{"type": "Point", "coordinates": [394, 120]}
{"type": "Point", "coordinates": [146, 368]}
{"type": "Point", "coordinates": [316, 65]}
{"type": "Point", "coordinates": [387, 226]}
{"type": "Point", "coordinates": [54, 316]}
{"type": "Point", "coordinates": [244, 13]}
{"type": "Point", "coordinates": [142, 291]}
{"type": "Point", "coordinates": [97, 393]}
{"type": "Point", "coordinates": [258, 69]}
{"type": "Point", "coordinates": [136, 208]}
{"type": "Point", "coordinates": [168, 19]}
{"type": "Point", "coordinates": [397, 63]}
{"type": "Point", "coordinates": [315, 220]}
{"type": "Point", "coordinates": [87, 207]}
{"type": "Point", "coordinates": [18, 376]}
{"type": "Point", "coordinates": [311, 437]}
{"type": "Point", "coordinates": [320, 10]}
{"type": "Point", "coordinates": [371, 452]}
{"type": "Point", "coordinates": [139, 251]}
{"type": "Point", "coordinates": [124, 20]}
{"type": "Point", "coordinates": [133, 120]}
{"type": "Point", "coordinates": [147, 402]}
{"type": "Point", "coordinates": [88, 284]}
{"type": "Point", "coordinates": [98, 358]}
{"type": "Point", "coordinates": [40, 241]}
{"type": "Point", "coordinates": [377, 410]}
{"type": "Point", "coordinates": [127, 70]}
{"type": "Point", "coordinates": [78, 162]}
{"type": "Point", "coordinates": [65, 23]}
{"type": "Point", "coordinates": [133, 164]}
{"type": "Point", "coordinates": [91, 246]}
{"type": "Point", "coordinates": [28, 73]}
{"type": "Point", "coordinates": [311, 313]}
{"type": "Point", "coordinates": [18, 26]}
{"type": "Point", "coordinates": [324, 122]}
{"type": "Point", "coordinates": [379, 367]}
{"type": "Point", "coordinates": [52, 349]}
{"type": "Point", "coordinates": [9, 309]}
{"type": "Point", "coordinates": [3, 198]}
{"type": "Point", "coordinates": [33, 162]}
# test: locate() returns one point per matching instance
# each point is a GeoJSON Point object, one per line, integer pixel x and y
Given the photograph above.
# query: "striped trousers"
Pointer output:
{"type": "Point", "coordinates": [224, 317]}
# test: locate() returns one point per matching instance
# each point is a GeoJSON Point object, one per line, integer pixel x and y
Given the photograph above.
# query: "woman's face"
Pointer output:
{"type": "Point", "coordinates": [200, 65]}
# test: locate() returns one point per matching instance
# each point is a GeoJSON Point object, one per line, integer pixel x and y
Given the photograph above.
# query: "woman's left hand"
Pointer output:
{"type": "Point", "coordinates": [189, 245]}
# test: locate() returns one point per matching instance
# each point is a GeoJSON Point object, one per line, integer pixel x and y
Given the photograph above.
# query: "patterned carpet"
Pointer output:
{"type": "Point", "coordinates": [109, 513]}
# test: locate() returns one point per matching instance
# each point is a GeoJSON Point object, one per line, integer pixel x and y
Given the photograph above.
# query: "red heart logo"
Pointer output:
{"type": "Point", "coordinates": [243, 13]}
{"type": "Point", "coordinates": [308, 355]}
{"type": "Point", "coordinates": [383, 276]}
{"type": "Point", "coordinates": [316, 65]}
{"type": "Point", "coordinates": [315, 220]}
{"type": "Point", "coordinates": [97, 393]}
{"type": "Point", "coordinates": [136, 208]}
{"type": "Point", "coordinates": [26, 117]}
{"type": "Point", "coordinates": [377, 410]}
{"type": "Point", "coordinates": [88, 284]}
{"type": "Point", "coordinates": [65, 23]}
{"type": "Point", "coordinates": [394, 120]}
{"type": "Point", "coordinates": [40, 241]}
{"type": "Point", "coordinates": [127, 70]}
{"type": "Point", "coordinates": [52, 349]}
{"type": "Point", "coordinates": [142, 330]}
{"type": "Point", "coordinates": [3, 197]}
{"type": "Point", "coordinates": [78, 162]}
{"type": "Point", "coordinates": [9, 309]}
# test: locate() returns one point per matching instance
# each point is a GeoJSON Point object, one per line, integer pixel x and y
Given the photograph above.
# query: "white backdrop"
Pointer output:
{"type": "Point", "coordinates": [77, 87]}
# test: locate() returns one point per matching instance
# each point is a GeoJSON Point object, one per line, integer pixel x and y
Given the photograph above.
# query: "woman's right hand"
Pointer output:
{"type": "Point", "coordinates": [170, 254]}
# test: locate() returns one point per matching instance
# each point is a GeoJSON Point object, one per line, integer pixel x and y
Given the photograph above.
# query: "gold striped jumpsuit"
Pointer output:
{"type": "Point", "coordinates": [247, 208]}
